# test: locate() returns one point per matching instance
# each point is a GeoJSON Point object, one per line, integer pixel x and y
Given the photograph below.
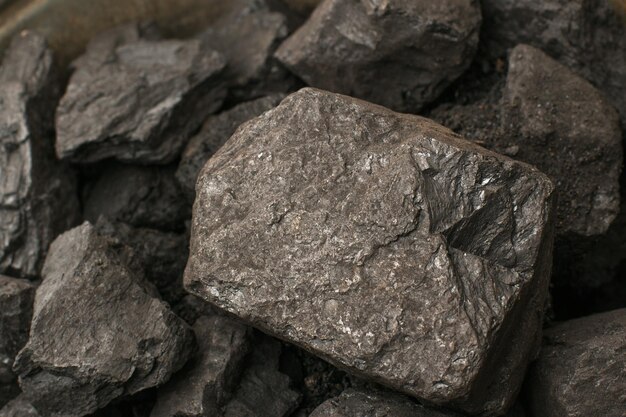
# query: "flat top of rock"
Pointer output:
{"type": "Point", "coordinates": [380, 241]}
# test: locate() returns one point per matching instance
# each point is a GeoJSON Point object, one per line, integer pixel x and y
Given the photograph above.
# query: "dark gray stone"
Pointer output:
{"type": "Point", "coordinates": [263, 390]}
{"type": "Point", "coordinates": [248, 36]}
{"type": "Point", "coordinates": [16, 309]}
{"type": "Point", "coordinates": [138, 195]}
{"type": "Point", "coordinates": [588, 36]}
{"type": "Point", "coordinates": [214, 133]}
{"type": "Point", "coordinates": [19, 407]}
{"type": "Point", "coordinates": [137, 99]}
{"type": "Point", "coordinates": [398, 53]}
{"type": "Point", "coordinates": [160, 255]}
{"type": "Point", "coordinates": [354, 402]}
{"type": "Point", "coordinates": [206, 383]}
{"type": "Point", "coordinates": [37, 195]}
{"type": "Point", "coordinates": [97, 331]}
{"type": "Point", "coordinates": [581, 371]}
{"type": "Point", "coordinates": [381, 242]}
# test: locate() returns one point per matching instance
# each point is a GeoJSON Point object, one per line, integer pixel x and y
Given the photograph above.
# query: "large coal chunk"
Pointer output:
{"type": "Point", "coordinates": [568, 129]}
{"type": "Point", "coordinates": [359, 402]}
{"type": "Point", "coordinates": [380, 241]}
{"type": "Point", "coordinates": [37, 195]}
{"type": "Point", "coordinates": [135, 98]}
{"type": "Point", "coordinates": [586, 35]}
{"type": "Point", "coordinates": [207, 382]}
{"type": "Point", "coordinates": [16, 309]}
{"type": "Point", "coordinates": [399, 53]}
{"type": "Point", "coordinates": [142, 196]}
{"type": "Point", "coordinates": [582, 368]}
{"type": "Point", "coordinates": [97, 331]}
{"type": "Point", "coordinates": [248, 36]}
{"type": "Point", "coordinates": [214, 133]}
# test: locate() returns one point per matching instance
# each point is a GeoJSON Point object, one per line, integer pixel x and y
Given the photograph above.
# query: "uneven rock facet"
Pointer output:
{"type": "Point", "coordinates": [205, 384]}
{"type": "Point", "coordinates": [37, 195]}
{"type": "Point", "coordinates": [398, 53]}
{"type": "Point", "coordinates": [381, 242]}
{"type": "Point", "coordinates": [582, 368]}
{"type": "Point", "coordinates": [16, 309]}
{"type": "Point", "coordinates": [97, 332]}
{"type": "Point", "coordinates": [137, 99]}
{"type": "Point", "coordinates": [19, 407]}
{"type": "Point", "coordinates": [214, 133]}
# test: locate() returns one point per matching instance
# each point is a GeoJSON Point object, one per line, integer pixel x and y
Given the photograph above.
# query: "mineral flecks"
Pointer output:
{"type": "Point", "coordinates": [398, 53]}
{"type": "Point", "coordinates": [356, 402]}
{"type": "Point", "coordinates": [142, 196]}
{"type": "Point", "coordinates": [37, 195]}
{"type": "Point", "coordinates": [582, 368]}
{"type": "Point", "coordinates": [248, 37]}
{"type": "Point", "coordinates": [135, 98]}
{"type": "Point", "coordinates": [16, 309]}
{"type": "Point", "coordinates": [97, 332]}
{"type": "Point", "coordinates": [382, 242]}
{"type": "Point", "coordinates": [214, 133]}
{"type": "Point", "coordinates": [207, 382]}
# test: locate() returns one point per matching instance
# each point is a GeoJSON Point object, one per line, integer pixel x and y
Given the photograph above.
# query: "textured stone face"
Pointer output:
{"type": "Point", "coordinates": [138, 195]}
{"type": "Point", "coordinates": [204, 385]}
{"type": "Point", "coordinates": [137, 99]}
{"type": "Point", "coordinates": [582, 368]}
{"type": "Point", "coordinates": [355, 402]}
{"type": "Point", "coordinates": [96, 333]}
{"type": "Point", "coordinates": [37, 194]}
{"type": "Point", "coordinates": [248, 37]}
{"type": "Point", "coordinates": [381, 242]}
{"type": "Point", "coordinates": [19, 407]}
{"type": "Point", "coordinates": [16, 309]}
{"type": "Point", "coordinates": [568, 130]}
{"type": "Point", "coordinates": [398, 53]}
{"type": "Point", "coordinates": [214, 133]}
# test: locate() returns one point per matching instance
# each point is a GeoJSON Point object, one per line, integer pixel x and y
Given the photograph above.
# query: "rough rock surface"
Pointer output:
{"type": "Point", "coordinates": [214, 133]}
{"type": "Point", "coordinates": [97, 332]}
{"type": "Point", "coordinates": [161, 255]}
{"type": "Point", "coordinates": [138, 195]}
{"type": "Point", "coordinates": [205, 384]}
{"type": "Point", "coordinates": [380, 241]}
{"type": "Point", "coordinates": [549, 117]}
{"type": "Point", "coordinates": [263, 390]}
{"type": "Point", "coordinates": [135, 98]}
{"type": "Point", "coordinates": [589, 36]}
{"type": "Point", "coordinates": [19, 407]}
{"type": "Point", "coordinates": [353, 402]}
{"type": "Point", "coordinates": [16, 309]}
{"type": "Point", "coordinates": [582, 368]}
{"type": "Point", "coordinates": [37, 195]}
{"type": "Point", "coordinates": [248, 37]}
{"type": "Point", "coordinates": [398, 53]}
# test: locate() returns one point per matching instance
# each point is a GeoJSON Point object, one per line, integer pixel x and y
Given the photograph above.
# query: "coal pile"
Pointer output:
{"type": "Point", "coordinates": [373, 208]}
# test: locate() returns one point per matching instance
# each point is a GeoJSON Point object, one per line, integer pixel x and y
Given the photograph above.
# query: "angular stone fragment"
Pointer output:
{"type": "Point", "coordinates": [398, 53]}
{"type": "Point", "coordinates": [381, 242]}
{"type": "Point", "coordinates": [137, 99]}
{"type": "Point", "coordinates": [138, 195]}
{"type": "Point", "coordinates": [588, 36]}
{"type": "Point", "coordinates": [353, 402]}
{"type": "Point", "coordinates": [16, 309]}
{"type": "Point", "coordinates": [248, 36]}
{"type": "Point", "coordinates": [263, 390]}
{"type": "Point", "coordinates": [19, 407]}
{"type": "Point", "coordinates": [205, 384]}
{"type": "Point", "coordinates": [97, 332]}
{"type": "Point", "coordinates": [582, 368]}
{"type": "Point", "coordinates": [161, 255]}
{"type": "Point", "coordinates": [567, 129]}
{"type": "Point", "coordinates": [214, 133]}
{"type": "Point", "coordinates": [37, 195]}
